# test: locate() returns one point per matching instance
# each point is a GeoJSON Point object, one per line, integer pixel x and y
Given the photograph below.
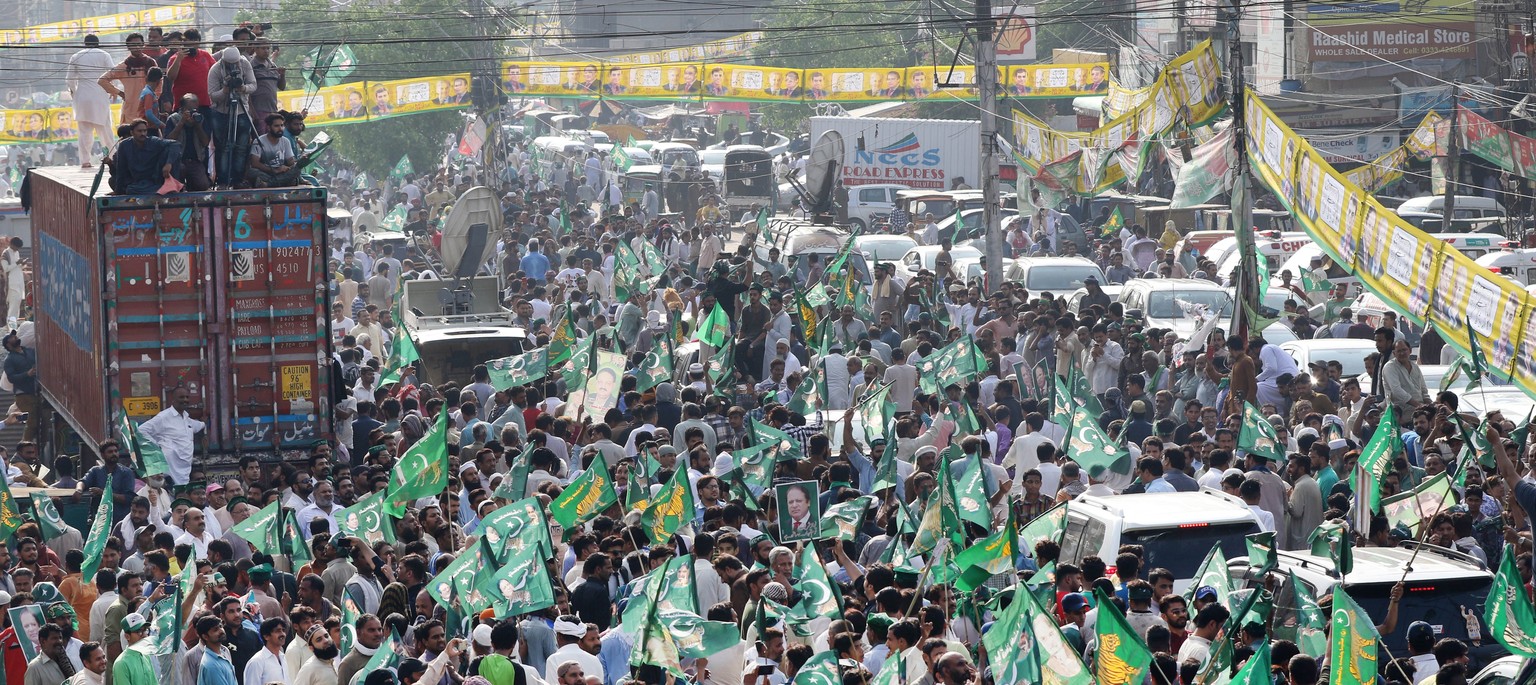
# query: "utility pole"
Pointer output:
{"type": "Point", "coordinates": [1452, 161]}
{"type": "Point", "coordinates": [986, 89]}
{"type": "Point", "coordinates": [1242, 193]}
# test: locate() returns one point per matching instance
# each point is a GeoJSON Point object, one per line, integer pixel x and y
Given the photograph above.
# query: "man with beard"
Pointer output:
{"type": "Point", "coordinates": [62, 615]}
{"type": "Point", "coordinates": [1176, 615]}
{"type": "Point", "coordinates": [323, 508]}
{"type": "Point", "coordinates": [51, 666]}
{"type": "Point", "coordinates": [320, 670]}
{"type": "Point", "coordinates": [370, 634]}
{"type": "Point", "coordinates": [244, 643]}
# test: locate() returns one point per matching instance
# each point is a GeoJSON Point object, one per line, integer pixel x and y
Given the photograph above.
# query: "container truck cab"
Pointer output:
{"type": "Point", "coordinates": [747, 179]}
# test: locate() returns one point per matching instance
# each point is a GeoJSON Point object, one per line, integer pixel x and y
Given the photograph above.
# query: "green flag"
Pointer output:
{"type": "Point", "coordinates": [585, 497]}
{"type": "Point", "coordinates": [886, 471]}
{"type": "Point", "coordinates": [565, 220]}
{"type": "Point", "coordinates": [101, 529]}
{"type": "Point", "coordinates": [367, 520]}
{"type": "Point", "coordinates": [654, 644]}
{"type": "Point", "coordinates": [958, 362]}
{"type": "Point", "coordinates": [519, 370]}
{"type": "Point", "coordinates": [1508, 611]}
{"type": "Point", "coordinates": [361, 181]}
{"type": "Point", "coordinates": [782, 447]}
{"type": "Point", "coordinates": [328, 65]}
{"type": "Point", "coordinates": [423, 470]}
{"type": "Point", "coordinates": [1257, 437]}
{"type": "Point", "coordinates": [515, 486]}
{"type": "Point", "coordinates": [1353, 642]}
{"type": "Point", "coordinates": [655, 369]}
{"type": "Point", "coordinates": [1113, 225]}
{"type": "Point", "coordinates": [1331, 540]}
{"type": "Point", "coordinates": [1479, 362]}
{"type": "Point", "coordinates": [10, 513]}
{"type": "Point", "coordinates": [1310, 631]}
{"type": "Point", "coordinates": [715, 329]}
{"type": "Point", "coordinates": [48, 518]}
{"type": "Point", "coordinates": [521, 586]}
{"type": "Point", "coordinates": [562, 343]}
{"type": "Point", "coordinates": [1123, 656]}
{"type": "Point", "coordinates": [263, 529]}
{"type": "Point", "coordinates": [997, 553]}
{"type": "Point", "coordinates": [166, 629]}
{"type": "Point", "coordinates": [349, 615]}
{"type": "Point", "coordinates": [457, 581]}
{"type": "Point", "coordinates": [579, 367]}
{"type": "Point", "coordinates": [389, 654]}
{"type": "Point", "coordinates": [1213, 574]}
{"type": "Point", "coordinates": [515, 526]}
{"type": "Point", "coordinates": [402, 168]}
{"type": "Point", "coordinates": [819, 596]}
{"type": "Point", "coordinates": [1374, 462]}
{"type": "Point", "coordinates": [810, 395]}
{"type": "Point", "coordinates": [971, 495]}
{"type": "Point", "coordinates": [721, 369]}
{"type": "Point", "coordinates": [822, 669]}
{"type": "Point", "coordinates": [621, 158]}
{"type": "Point", "coordinates": [875, 411]}
{"type": "Point", "coordinates": [1051, 525]}
{"type": "Point", "coordinates": [402, 352]}
{"type": "Point", "coordinates": [394, 220]}
{"type": "Point", "coordinates": [1026, 646]}
{"type": "Point", "coordinates": [843, 520]}
{"type": "Point", "coordinates": [147, 457]}
{"type": "Point", "coordinates": [670, 510]}
{"type": "Point", "coordinates": [1092, 448]}
{"type": "Point", "coordinates": [1255, 670]}
{"type": "Point", "coordinates": [1261, 551]}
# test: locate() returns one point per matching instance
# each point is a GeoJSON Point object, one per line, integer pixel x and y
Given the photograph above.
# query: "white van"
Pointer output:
{"type": "Point", "coordinates": [865, 201]}
{"type": "Point", "coordinates": [1518, 265]}
{"type": "Point", "coordinates": [1467, 206]}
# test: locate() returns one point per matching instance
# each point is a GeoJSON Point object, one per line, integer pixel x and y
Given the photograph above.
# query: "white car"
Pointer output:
{"type": "Point", "coordinates": [883, 248]}
{"type": "Point", "coordinates": [712, 162]}
{"type": "Point", "coordinates": [922, 257]}
{"type": "Point", "coordinates": [1173, 303]}
{"type": "Point", "coordinates": [1350, 353]}
{"type": "Point", "coordinates": [1176, 529]}
{"type": "Point", "coordinates": [865, 201]}
{"type": "Point", "coordinates": [972, 223]}
{"type": "Point", "coordinates": [1058, 275]}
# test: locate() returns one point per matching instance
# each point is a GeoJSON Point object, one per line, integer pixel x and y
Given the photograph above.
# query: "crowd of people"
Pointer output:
{"type": "Point", "coordinates": [654, 543]}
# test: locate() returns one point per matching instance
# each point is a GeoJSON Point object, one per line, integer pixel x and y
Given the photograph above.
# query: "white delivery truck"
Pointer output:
{"type": "Point", "coordinates": [927, 154]}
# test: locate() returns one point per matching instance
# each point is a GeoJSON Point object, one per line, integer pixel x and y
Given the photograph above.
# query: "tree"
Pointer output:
{"type": "Point", "coordinates": [448, 41]}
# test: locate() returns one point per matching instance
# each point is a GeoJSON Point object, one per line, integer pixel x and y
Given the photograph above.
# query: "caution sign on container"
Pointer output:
{"type": "Point", "coordinates": [296, 382]}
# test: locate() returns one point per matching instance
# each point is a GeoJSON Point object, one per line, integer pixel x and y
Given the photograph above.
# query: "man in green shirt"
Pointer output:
{"type": "Point", "coordinates": [133, 666]}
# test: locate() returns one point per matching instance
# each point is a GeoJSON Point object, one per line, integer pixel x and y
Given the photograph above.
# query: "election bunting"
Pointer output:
{"type": "Point", "coordinates": [166, 17]}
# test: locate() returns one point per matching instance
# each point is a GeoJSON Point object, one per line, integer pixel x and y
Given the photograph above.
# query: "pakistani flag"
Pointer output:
{"type": "Point", "coordinates": [671, 510]}
{"type": "Point", "coordinates": [10, 514]}
{"type": "Point", "coordinates": [1255, 670]}
{"type": "Point", "coordinates": [585, 497]}
{"type": "Point", "coordinates": [818, 594]}
{"type": "Point", "coordinates": [1213, 574]}
{"type": "Point", "coordinates": [715, 329]}
{"type": "Point", "coordinates": [368, 520]}
{"type": "Point", "coordinates": [423, 470]}
{"type": "Point", "coordinates": [515, 526]}
{"type": "Point", "coordinates": [166, 629]}
{"type": "Point", "coordinates": [810, 395]}
{"type": "Point", "coordinates": [401, 353]}
{"type": "Point", "coordinates": [1123, 656]}
{"type": "Point", "coordinates": [328, 65]}
{"type": "Point", "coordinates": [655, 369]}
{"type": "Point", "coordinates": [1508, 612]}
{"type": "Point", "coordinates": [1257, 437]}
{"type": "Point", "coordinates": [843, 520]}
{"type": "Point", "coordinates": [519, 370]}
{"type": "Point", "coordinates": [1092, 448]}
{"type": "Point", "coordinates": [263, 529]}
{"type": "Point", "coordinates": [394, 220]}
{"type": "Point", "coordinates": [101, 529]}
{"type": "Point", "coordinates": [822, 669]}
{"type": "Point", "coordinates": [1311, 629]}
{"type": "Point", "coordinates": [1478, 366]}
{"type": "Point", "coordinates": [1261, 551]}
{"type": "Point", "coordinates": [521, 586]}
{"type": "Point", "coordinates": [147, 457]}
{"type": "Point", "coordinates": [1353, 642]}
{"type": "Point", "coordinates": [47, 516]}
{"type": "Point", "coordinates": [402, 168]}
{"type": "Point", "coordinates": [361, 182]}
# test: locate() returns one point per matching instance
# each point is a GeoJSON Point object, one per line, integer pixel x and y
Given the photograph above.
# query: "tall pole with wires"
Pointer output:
{"type": "Point", "coordinates": [986, 90]}
{"type": "Point", "coordinates": [1242, 197]}
{"type": "Point", "coordinates": [1452, 161]}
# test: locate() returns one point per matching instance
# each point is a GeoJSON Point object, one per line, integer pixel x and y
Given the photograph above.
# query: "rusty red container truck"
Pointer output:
{"type": "Point", "coordinates": [224, 294]}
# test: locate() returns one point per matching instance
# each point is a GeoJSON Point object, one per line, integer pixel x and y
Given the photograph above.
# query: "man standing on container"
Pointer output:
{"type": "Point", "coordinates": [93, 107]}
{"type": "Point", "coordinates": [173, 430]}
{"type": "Point", "coordinates": [15, 281]}
{"type": "Point", "coordinates": [21, 371]}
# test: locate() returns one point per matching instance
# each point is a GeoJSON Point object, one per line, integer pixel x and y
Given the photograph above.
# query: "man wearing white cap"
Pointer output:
{"type": "Point", "coordinates": [574, 638]}
{"type": "Point", "coordinates": [133, 666]}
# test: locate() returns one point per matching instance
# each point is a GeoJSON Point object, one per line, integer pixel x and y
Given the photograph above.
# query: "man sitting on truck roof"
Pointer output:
{"type": "Point", "coordinates": [141, 163]}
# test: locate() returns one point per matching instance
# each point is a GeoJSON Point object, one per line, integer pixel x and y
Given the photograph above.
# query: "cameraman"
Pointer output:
{"type": "Point", "coordinates": [185, 126]}
{"type": "Point", "coordinates": [230, 84]}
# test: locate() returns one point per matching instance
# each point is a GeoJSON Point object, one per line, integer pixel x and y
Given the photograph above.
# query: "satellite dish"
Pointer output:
{"type": "Point", "coordinates": [469, 232]}
{"type": "Point", "coordinates": [821, 172]}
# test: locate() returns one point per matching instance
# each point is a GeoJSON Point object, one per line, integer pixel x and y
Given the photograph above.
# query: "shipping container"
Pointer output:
{"type": "Point", "coordinates": [922, 154]}
{"type": "Point", "coordinates": [222, 293]}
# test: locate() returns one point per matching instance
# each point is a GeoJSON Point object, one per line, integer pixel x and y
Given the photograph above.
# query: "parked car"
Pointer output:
{"type": "Point", "coordinates": [1176, 529]}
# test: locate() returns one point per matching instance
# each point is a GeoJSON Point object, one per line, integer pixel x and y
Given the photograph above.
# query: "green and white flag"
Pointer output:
{"type": "Point", "coordinates": [1508, 611]}
{"type": "Point", "coordinates": [101, 529]}
{"type": "Point", "coordinates": [1212, 573]}
{"type": "Point", "coordinates": [394, 220]}
{"type": "Point", "coordinates": [843, 520]}
{"type": "Point", "coordinates": [1256, 670]}
{"type": "Point", "coordinates": [1261, 551]}
{"type": "Point", "coordinates": [822, 669]}
{"type": "Point", "coordinates": [166, 629]}
{"type": "Point", "coordinates": [655, 369]}
{"type": "Point", "coordinates": [585, 498]}
{"type": "Point", "coordinates": [263, 529]}
{"type": "Point", "coordinates": [456, 582]}
{"type": "Point", "coordinates": [519, 370]}
{"type": "Point", "coordinates": [147, 457]}
{"type": "Point", "coordinates": [1311, 630]}
{"type": "Point", "coordinates": [389, 654]}
{"type": "Point", "coordinates": [819, 596]}
{"type": "Point", "coordinates": [1051, 525]}
{"type": "Point", "coordinates": [1257, 437]}
{"type": "Point", "coordinates": [515, 526]}
{"type": "Point", "coordinates": [1353, 642]}
{"type": "Point", "coordinates": [997, 553]}
{"type": "Point", "coordinates": [1331, 541]}
{"type": "Point", "coordinates": [402, 168]}
{"type": "Point", "coordinates": [367, 520]}
{"type": "Point", "coordinates": [521, 586]}
{"type": "Point", "coordinates": [1374, 462]}
{"type": "Point", "coordinates": [810, 395]}
{"type": "Point", "coordinates": [402, 352]}
{"type": "Point", "coordinates": [47, 516]}
{"type": "Point", "coordinates": [1092, 448]}
{"type": "Point", "coordinates": [423, 470]}
{"type": "Point", "coordinates": [715, 329]}
{"type": "Point", "coordinates": [670, 510]}
{"type": "Point", "coordinates": [328, 65]}
{"type": "Point", "coordinates": [958, 362]}
{"type": "Point", "coordinates": [1122, 657]}
{"type": "Point", "coordinates": [361, 182]}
